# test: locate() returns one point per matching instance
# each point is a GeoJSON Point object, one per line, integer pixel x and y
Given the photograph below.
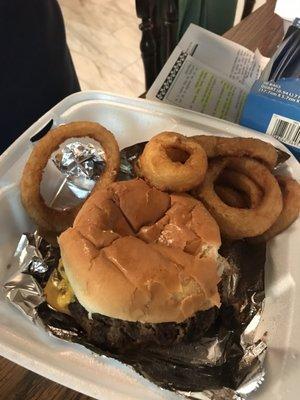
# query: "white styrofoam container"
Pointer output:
{"type": "Point", "coordinates": [132, 121]}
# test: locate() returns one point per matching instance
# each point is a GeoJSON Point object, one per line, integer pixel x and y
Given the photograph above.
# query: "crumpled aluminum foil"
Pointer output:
{"type": "Point", "coordinates": [128, 157]}
{"type": "Point", "coordinates": [31, 265]}
{"type": "Point", "coordinates": [82, 164]}
{"type": "Point", "coordinates": [226, 364]}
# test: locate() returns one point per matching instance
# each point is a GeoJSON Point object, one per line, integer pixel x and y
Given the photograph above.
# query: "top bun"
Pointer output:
{"type": "Point", "coordinates": [138, 254]}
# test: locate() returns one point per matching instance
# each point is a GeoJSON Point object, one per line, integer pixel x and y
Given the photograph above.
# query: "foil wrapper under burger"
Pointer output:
{"type": "Point", "coordinates": [228, 363]}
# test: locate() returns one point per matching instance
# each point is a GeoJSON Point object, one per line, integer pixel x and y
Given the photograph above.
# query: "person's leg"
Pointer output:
{"type": "Point", "coordinates": [36, 69]}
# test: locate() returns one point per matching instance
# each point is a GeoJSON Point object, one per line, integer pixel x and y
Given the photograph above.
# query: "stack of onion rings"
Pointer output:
{"type": "Point", "coordinates": [238, 187]}
{"type": "Point", "coordinates": [237, 223]}
{"type": "Point", "coordinates": [216, 146]}
{"type": "Point", "coordinates": [158, 168]}
{"type": "Point", "coordinates": [47, 218]}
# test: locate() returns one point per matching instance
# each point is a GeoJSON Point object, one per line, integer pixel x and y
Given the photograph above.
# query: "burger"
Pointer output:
{"type": "Point", "coordinates": [139, 267]}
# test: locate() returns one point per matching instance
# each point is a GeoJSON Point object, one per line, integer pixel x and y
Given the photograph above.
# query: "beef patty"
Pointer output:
{"type": "Point", "coordinates": [116, 334]}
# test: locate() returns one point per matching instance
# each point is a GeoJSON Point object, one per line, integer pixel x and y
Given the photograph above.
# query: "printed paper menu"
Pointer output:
{"type": "Point", "coordinates": [209, 74]}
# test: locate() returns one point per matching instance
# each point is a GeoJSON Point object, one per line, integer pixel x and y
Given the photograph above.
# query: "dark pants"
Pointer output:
{"type": "Point", "coordinates": [36, 69]}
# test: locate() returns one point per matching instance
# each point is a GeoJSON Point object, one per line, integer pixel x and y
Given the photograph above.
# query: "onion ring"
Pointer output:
{"type": "Point", "coordinates": [156, 166]}
{"type": "Point", "coordinates": [230, 196]}
{"type": "Point", "coordinates": [48, 218]}
{"type": "Point", "coordinates": [290, 212]}
{"type": "Point", "coordinates": [237, 223]}
{"type": "Point", "coordinates": [244, 184]}
{"type": "Point", "coordinates": [216, 146]}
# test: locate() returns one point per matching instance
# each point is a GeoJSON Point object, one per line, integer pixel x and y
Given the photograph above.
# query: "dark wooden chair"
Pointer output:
{"type": "Point", "coordinates": [159, 32]}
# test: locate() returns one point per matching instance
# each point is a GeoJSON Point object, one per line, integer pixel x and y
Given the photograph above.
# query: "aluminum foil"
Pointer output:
{"type": "Point", "coordinates": [30, 268]}
{"type": "Point", "coordinates": [228, 363]}
{"type": "Point", "coordinates": [128, 157]}
{"type": "Point", "coordinates": [82, 164]}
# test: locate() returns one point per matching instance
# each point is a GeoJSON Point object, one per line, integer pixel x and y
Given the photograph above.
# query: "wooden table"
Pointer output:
{"type": "Point", "coordinates": [263, 30]}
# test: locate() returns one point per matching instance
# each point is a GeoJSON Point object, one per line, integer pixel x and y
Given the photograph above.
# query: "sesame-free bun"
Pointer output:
{"type": "Point", "coordinates": [138, 254]}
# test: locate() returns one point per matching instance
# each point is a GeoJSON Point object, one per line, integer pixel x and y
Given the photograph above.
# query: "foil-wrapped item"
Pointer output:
{"type": "Point", "coordinates": [228, 363]}
{"type": "Point", "coordinates": [82, 164]}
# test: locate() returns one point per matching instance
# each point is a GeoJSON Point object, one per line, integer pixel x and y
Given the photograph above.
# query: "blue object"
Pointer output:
{"type": "Point", "coordinates": [273, 104]}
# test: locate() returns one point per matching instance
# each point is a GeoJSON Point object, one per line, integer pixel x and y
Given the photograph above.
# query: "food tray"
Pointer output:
{"type": "Point", "coordinates": [132, 121]}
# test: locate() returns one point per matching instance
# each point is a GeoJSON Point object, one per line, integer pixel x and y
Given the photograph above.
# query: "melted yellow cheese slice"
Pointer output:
{"type": "Point", "coordinates": [58, 291]}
